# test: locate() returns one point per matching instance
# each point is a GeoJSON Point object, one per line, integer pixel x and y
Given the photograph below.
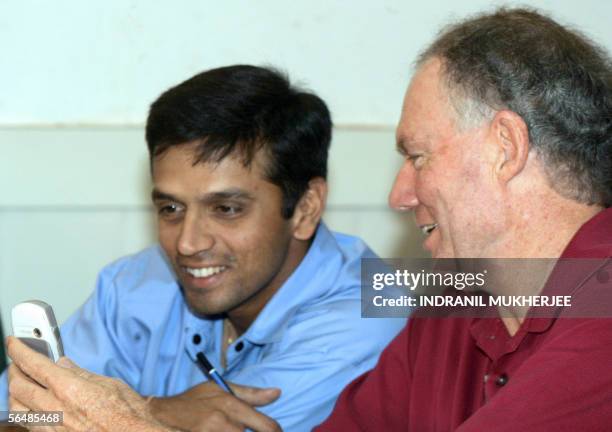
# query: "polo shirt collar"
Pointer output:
{"type": "Point", "coordinates": [312, 279]}
{"type": "Point", "coordinates": [585, 254]}
{"type": "Point", "coordinates": [592, 240]}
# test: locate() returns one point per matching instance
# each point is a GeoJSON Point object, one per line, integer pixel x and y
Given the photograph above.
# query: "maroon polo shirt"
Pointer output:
{"type": "Point", "coordinates": [470, 375]}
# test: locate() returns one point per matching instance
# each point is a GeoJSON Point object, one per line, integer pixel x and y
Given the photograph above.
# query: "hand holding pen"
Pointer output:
{"type": "Point", "coordinates": [212, 373]}
{"type": "Point", "coordinates": [205, 406]}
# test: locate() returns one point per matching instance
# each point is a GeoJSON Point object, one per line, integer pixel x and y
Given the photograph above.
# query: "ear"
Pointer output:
{"type": "Point", "coordinates": [511, 138]}
{"type": "Point", "coordinates": [309, 209]}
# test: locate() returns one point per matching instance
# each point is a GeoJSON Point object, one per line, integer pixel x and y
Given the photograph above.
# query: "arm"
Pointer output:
{"type": "Point", "coordinates": [378, 399]}
{"type": "Point", "coordinates": [207, 404]}
{"type": "Point", "coordinates": [91, 402]}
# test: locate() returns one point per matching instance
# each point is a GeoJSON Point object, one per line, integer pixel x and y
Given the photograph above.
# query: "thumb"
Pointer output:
{"type": "Point", "coordinates": [255, 396]}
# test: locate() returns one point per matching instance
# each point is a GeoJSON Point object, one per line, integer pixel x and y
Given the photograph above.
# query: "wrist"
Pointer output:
{"type": "Point", "coordinates": [159, 409]}
{"type": "Point", "coordinates": [154, 406]}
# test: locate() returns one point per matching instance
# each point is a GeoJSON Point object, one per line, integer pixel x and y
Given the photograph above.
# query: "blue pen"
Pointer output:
{"type": "Point", "coordinates": [212, 373]}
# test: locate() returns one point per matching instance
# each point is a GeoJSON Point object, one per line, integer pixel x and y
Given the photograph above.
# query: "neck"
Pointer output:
{"type": "Point", "coordinates": [540, 229]}
{"type": "Point", "coordinates": [243, 316]}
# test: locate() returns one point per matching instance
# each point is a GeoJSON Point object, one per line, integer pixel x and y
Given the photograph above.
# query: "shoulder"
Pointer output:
{"type": "Point", "coordinates": [149, 262]}
{"type": "Point", "coordinates": [351, 247]}
{"type": "Point", "coordinates": [330, 318]}
{"type": "Point", "coordinates": [146, 272]}
{"type": "Point", "coordinates": [141, 286]}
{"type": "Point", "coordinates": [134, 295]}
{"type": "Point", "coordinates": [335, 262]}
{"type": "Point", "coordinates": [335, 328]}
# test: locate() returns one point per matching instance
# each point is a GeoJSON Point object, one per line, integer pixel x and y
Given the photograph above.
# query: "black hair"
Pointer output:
{"type": "Point", "coordinates": [240, 110]}
{"type": "Point", "coordinates": [556, 79]}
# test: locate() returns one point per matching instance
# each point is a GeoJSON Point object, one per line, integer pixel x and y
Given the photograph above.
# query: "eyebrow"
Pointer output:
{"type": "Point", "coordinates": [226, 194]}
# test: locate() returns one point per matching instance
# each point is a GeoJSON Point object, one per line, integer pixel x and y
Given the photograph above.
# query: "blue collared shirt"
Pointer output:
{"type": "Point", "coordinates": [309, 340]}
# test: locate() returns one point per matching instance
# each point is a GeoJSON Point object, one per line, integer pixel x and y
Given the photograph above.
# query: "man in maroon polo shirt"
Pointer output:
{"type": "Point", "coordinates": [506, 130]}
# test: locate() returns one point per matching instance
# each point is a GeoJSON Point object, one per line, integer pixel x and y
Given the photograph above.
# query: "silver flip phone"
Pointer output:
{"type": "Point", "coordinates": [35, 325]}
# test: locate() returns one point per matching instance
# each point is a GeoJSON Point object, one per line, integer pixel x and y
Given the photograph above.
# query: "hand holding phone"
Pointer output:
{"type": "Point", "coordinates": [35, 325]}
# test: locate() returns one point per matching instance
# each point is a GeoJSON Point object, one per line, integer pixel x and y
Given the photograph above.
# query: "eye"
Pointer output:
{"type": "Point", "coordinates": [417, 160]}
{"type": "Point", "coordinates": [169, 211]}
{"type": "Point", "coordinates": [228, 210]}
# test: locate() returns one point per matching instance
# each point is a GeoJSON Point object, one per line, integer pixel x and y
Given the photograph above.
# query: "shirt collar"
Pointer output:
{"type": "Point", "coordinates": [313, 278]}
{"type": "Point", "coordinates": [585, 254]}
{"type": "Point", "coordinates": [592, 240]}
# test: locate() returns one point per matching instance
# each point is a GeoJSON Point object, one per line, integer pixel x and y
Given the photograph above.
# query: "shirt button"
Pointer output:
{"type": "Point", "coordinates": [239, 346]}
{"type": "Point", "coordinates": [197, 339]}
{"type": "Point", "coordinates": [501, 380]}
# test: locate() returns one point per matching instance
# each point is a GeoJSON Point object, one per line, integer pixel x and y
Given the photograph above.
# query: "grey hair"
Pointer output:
{"type": "Point", "coordinates": [556, 79]}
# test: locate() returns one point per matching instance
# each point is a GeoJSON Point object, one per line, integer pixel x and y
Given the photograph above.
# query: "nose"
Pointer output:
{"type": "Point", "coordinates": [403, 195]}
{"type": "Point", "coordinates": [195, 236]}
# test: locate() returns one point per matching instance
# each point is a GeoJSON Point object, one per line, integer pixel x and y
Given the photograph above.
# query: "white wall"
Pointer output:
{"type": "Point", "coordinates": [103, 62]}
{"type": "Point", "coordinates": [77, 78]}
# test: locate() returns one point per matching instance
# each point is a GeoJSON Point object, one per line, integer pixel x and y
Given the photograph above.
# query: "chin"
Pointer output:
{"type": "Point", "coordinates": [201, 306]}
{"type": "Point", "coordinates": [442, 254]}
{"type": "Point", "coordinates": [205, 311]}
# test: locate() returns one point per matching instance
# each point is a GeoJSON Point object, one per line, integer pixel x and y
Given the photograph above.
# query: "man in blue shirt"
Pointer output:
{"type": "Point", "coordinates": [245, 271]}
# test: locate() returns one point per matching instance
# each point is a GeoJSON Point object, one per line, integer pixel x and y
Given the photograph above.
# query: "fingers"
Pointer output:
{"type": "Point", "coordinates": [36, 365]}
{"type": "Point", "coordinates": [242, 410]}
{"type": "Point", "coordinates": [28, 394]}
{"type": "Point", "coordinates": [41, 369]}
{"type": "Point", "coordinates": [15, 405]}
{"type": "Point", "coordinates": [66, 363]}
{"type": "Point", "coordinates": [256, 396]}
{"type": "Point", "coordinates": [245, 414]}
{"type": "Point", "coordinates": [14, 371]}
{"type": "Point", "coordinates": [16, 377]}
{"type": "Point", "coordinates": [217, 421]}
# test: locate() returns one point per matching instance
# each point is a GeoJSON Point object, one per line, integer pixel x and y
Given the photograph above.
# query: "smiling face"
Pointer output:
{"type": "Point", "coordinates": [221, 227]}
{"type": "Point", "coordinates": [447, 176]}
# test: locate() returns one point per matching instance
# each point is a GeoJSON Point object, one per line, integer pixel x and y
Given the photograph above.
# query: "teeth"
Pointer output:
{"type": "Point", "coordinates": [204, 271]}
{"type": "Point", "coordinates": [427, 229]}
